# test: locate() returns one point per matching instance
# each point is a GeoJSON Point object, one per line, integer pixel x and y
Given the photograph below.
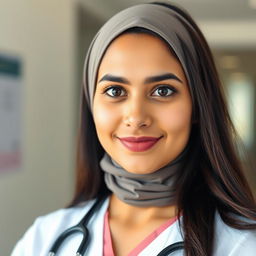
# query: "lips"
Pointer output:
{"type": "Point", "coordinates": [139, 144]}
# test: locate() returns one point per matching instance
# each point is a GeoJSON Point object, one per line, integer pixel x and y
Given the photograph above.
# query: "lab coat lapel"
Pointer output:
{"type": "Point", "coordinates": [96, 226]}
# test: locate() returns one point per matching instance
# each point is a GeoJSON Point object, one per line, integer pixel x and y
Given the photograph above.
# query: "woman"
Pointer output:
{"type": "Point", "coordinates": [156, 143]}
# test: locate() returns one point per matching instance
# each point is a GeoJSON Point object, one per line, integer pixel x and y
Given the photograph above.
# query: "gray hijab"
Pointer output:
{"type": "Point", "coordinates": [165, 22]}
{"type": "Point", "coordinates": [154, 189]}
{"type": "Point", "coordinates": [158, 188]}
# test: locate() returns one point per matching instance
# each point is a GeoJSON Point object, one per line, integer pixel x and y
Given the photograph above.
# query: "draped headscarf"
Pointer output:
{"type": "Point", "coordinates": [165, 22]}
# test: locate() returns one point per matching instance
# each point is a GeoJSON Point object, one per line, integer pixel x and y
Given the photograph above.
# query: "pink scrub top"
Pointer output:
{"type": "Point", "coordinates": [108, 248]}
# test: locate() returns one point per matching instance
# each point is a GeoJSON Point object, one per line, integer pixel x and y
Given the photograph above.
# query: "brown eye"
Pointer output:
{"type": "Point", "coordinates": [165, 91]}
{"type": "Point", "coordinates": [114, 91]}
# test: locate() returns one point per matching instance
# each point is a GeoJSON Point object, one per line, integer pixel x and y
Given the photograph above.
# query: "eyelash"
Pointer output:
{"type": "Point", "coordinates": [161, 86]}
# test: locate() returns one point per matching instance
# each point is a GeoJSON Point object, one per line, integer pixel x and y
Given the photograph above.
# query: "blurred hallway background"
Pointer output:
{"type": "Point", "coordinates": [51, 38]}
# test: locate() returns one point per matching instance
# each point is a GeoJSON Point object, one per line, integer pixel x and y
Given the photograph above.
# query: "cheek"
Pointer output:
{"type": "Point", "coordinates": [105, 119]}
{"type": "Point", "coordinates": [177, 119]}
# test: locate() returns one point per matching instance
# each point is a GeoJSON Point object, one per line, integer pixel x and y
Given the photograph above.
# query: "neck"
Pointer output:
{"type": "Point", "coordinates": [127, 213]}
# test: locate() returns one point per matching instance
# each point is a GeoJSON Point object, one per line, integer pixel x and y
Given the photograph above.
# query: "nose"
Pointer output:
{"type": "Point", "coordinates": [136, 113]}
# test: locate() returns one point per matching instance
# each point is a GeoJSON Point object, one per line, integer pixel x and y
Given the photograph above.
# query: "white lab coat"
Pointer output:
{"type": "Point", "coordinates": [40, 236]}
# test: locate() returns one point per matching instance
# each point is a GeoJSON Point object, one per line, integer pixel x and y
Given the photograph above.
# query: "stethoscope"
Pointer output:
{"type": "Point", "coordinates": [81, 227]}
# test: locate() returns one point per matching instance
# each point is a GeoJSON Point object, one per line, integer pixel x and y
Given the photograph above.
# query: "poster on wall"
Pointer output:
{"type": "Point", "coordinates": [10, 113]}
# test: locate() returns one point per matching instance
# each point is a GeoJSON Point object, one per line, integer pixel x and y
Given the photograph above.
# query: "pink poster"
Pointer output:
{"type": "Point", "coordinates": [10, 113]}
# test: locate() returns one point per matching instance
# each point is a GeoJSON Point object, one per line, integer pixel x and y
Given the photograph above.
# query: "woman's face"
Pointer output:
{"type": "Point", "coordinates": [141, 90]}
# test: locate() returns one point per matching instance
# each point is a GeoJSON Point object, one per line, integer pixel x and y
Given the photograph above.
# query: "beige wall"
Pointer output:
{"type": "Point", "coordinates": [42, 33]}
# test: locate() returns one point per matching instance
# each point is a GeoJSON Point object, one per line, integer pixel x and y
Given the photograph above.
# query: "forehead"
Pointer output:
{"type": "Point", "coordinates": [138, 42]}
{"type": "Point", "coordinates": [137, 49]}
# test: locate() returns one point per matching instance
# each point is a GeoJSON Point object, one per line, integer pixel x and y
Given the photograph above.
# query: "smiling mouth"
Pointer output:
{"type": "Point", "coordinates": [139, 144]}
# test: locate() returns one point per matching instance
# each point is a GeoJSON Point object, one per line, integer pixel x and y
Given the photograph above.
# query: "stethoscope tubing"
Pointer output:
{"type": "Point", "coordinates": [81, 227]}
{"type": "Point", "coordinates": [171, 248]}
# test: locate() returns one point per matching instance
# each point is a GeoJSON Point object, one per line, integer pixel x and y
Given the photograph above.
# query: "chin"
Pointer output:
{"type": "Point", "coordinates": [142, 170]}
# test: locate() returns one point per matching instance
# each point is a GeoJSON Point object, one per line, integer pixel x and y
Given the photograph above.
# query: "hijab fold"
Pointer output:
{"type": "Point", "coordinates": [154, 189]}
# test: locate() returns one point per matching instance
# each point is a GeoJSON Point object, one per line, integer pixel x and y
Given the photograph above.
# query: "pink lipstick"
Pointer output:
{"type": "Point", "coordinates": [139, 144]}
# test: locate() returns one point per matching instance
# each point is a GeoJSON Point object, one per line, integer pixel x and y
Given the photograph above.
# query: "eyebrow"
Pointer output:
{"type": "Point", "coordinates": [150, 79]}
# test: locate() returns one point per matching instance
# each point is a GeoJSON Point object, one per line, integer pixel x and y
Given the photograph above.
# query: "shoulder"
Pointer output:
{"type": "Point", "coordinates": [62, 219]}
{"type": "Point", "coordinates": [67, 216]}
{"type": "Point", "coordinates": [46, 228]}
{"type": "Point", "coordinates": [231, 241]}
